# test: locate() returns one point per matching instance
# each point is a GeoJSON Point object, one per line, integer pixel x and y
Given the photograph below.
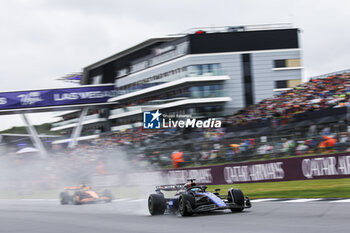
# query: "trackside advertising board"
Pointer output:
{"type": "Point", "coordinates": [56, 97]}
{"type": "Point", "coordinates": [332, 166]}
{"type": "Point", "coordinates": [297, 168]}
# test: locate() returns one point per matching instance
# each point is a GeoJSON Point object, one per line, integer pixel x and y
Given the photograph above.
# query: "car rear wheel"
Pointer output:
{"type": "Point", "coordinates": [156, 204]}
{"type": "Point", "coordinates": [236, 196]}
{"type": "Point", "coordinates": [64, 198]}
{"type": "Point", "coordinates": [186, 204]}
{"type": "Point", "coordinates": [77, 197]}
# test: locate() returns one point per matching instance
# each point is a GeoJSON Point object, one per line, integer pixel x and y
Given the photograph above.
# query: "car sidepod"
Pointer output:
{"type": "Point", "coordinates": [214, 198]}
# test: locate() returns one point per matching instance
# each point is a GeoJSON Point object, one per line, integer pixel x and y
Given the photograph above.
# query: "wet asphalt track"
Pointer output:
{"type": "Point", "coordinates": [132, 216]}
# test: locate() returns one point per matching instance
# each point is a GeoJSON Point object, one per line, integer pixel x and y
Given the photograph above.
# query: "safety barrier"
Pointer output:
{"type": "Point", "coordinates": [297, 168]}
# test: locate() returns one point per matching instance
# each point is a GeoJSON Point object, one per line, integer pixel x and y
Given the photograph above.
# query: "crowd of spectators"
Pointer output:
{"type": "Point", "coordinates": [317, 94]}
{"type": "Point", "coordinates": [144, 149]}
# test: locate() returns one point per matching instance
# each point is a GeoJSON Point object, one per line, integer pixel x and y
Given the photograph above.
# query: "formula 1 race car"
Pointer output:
{"type": "Point", "coordinates": [84, 194]}
{"type": "Point", "coordinates": [190, 198]}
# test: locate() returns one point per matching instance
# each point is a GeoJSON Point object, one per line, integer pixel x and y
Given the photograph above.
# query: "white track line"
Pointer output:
{"type": "Point", "coordinates": [121, 199]}
{"type": "Point", "coordinates": [35, 199]}
{"type": "Point", "coordinates": [263, 200]}
{"type": "Point", "coordinates": [137, 200]}
{"type": "Point", "coordinates": [303, 200]}
{"type": "Point", "coordinates": [341, 201]}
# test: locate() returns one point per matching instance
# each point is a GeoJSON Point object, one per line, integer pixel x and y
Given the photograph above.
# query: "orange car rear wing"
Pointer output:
{"type": "Point", "coordinates": [72, 188]}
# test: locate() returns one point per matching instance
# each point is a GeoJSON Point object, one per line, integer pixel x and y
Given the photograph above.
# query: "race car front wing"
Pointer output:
{"type": "Point", "coordinates": [212, 207]}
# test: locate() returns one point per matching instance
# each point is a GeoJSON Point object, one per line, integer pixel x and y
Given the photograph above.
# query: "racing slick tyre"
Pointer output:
{"type": "Point", "coordinates": [64, 198]}
{"type": "Point", "coordinates": [186, 204]}
{"type": "Point", "coordinates": [77, 197]}
{"type": "Point", "coordinates": [156, 204]}
{"type": "Point", "coordinates": [108, 193]}
{"type": "Point", "coordinates": [236, 196]}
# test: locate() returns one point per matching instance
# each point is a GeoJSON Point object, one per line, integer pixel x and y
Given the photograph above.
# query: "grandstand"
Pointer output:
{"type": "Point", "coordinates": [317, 94]}
{"type": "Point", "coordinates": [301, 121]}
{"type": "Point", "coordinates": [308, 119]}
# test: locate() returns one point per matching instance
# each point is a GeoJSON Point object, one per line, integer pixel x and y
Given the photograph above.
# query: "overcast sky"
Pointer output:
{"type": "Point", "coordinates": [43, 40]}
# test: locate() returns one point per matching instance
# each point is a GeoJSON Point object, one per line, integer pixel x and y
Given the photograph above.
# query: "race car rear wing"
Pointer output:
{"type": "Point", "coordinates": [170, 187]}
{"type": "Point", "coordinates": [72, 188]}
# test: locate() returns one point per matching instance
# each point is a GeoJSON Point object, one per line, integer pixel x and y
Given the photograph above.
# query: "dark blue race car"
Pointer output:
{"type": "Point", "coordinates": [190, 198]}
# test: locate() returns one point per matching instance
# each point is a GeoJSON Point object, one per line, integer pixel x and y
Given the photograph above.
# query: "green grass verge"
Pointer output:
{"type": "Point", "coordinates": [323, 188]}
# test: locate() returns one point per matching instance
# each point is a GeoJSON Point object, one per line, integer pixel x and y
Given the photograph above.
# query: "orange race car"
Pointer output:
{"type": "Point", "coordinates": [84, 194]}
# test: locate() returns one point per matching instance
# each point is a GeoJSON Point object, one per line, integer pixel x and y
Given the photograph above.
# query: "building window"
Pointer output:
{"type": "Point", "coordinates": [284, 63]}
{"type": "Point", "coordinates": [247, 79]}
{"type": "Point", "coordinates": [287, 83]}
{"type": "Point", "coordinates": [190, 71]}
{"type": "Point", "coordinates": [203, 69]}
{"type": "Point", "coordinates": [281, 84]}
{"type": "Point", "coordinates": [280, 63]}
{"type": "Point", "coordinates": [205, 91]}
{"type": "Point", "coordinates": [97, 79]}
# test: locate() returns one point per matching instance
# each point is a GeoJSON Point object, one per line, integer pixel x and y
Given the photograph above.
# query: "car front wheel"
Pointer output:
{"type": "Point", "coordinates": [186, 204]}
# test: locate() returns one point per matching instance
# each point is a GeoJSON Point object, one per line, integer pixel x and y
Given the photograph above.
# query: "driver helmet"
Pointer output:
{"type": "Point", "coordinates": [84, 187]}
{"type": "Point", "coordinates": [190, 184]}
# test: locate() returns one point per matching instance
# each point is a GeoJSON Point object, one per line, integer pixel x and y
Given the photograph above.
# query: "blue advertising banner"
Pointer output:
{"type": "Point", "coordinates": [56, 97]}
